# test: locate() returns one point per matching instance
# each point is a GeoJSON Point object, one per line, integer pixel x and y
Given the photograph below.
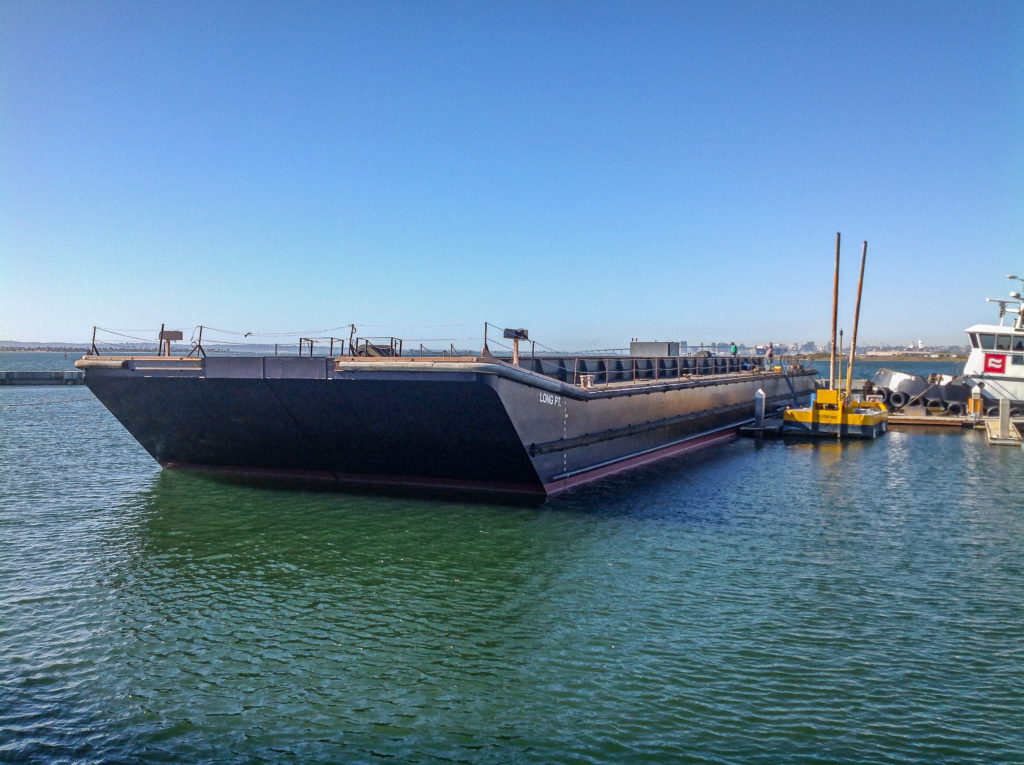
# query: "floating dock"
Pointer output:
{"type": "Point", "coordinates": [770, 428]}
{"type": "Point", "coordinates": [996, 433]}
{"type": "Point", "coordinates": [997, 436]}
{"type": "Point", "coordinates": [931, 418]}
{"type": "Point", "coordinates": [38, 377]}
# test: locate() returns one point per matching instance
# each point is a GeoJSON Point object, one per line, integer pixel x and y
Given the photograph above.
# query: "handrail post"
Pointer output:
{"type": "Point", "coordinates": [197, 346]}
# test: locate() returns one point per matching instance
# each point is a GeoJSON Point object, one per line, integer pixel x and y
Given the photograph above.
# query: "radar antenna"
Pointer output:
{"type": "Point", "coordinates": [1002, 307]}
{"type": "Point", "coordinates": [1018, 323]}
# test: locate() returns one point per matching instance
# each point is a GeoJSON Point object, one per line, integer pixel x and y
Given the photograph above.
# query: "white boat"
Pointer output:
{"type": "Point", "coordinates": [995, 368]}
{"type": "Point", "coordinates": [996, 362]}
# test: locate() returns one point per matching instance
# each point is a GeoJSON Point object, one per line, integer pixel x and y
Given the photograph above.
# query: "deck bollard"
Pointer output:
{"type": "Point", "coordinates": [759, 408]}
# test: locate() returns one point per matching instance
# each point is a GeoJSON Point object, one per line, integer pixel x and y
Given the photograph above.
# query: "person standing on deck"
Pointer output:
{"type": "Point", "coordinates": [769, 356]}
{"type": "Point", "coordinates": [733, 349]}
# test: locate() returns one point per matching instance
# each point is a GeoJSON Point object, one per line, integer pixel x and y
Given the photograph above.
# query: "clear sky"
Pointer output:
{"type": "Point", "coordinates": [593, 171]}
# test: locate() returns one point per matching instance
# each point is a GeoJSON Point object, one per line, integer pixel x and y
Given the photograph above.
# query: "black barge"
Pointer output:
{"type": "Point", "coordinates": [465, 425]}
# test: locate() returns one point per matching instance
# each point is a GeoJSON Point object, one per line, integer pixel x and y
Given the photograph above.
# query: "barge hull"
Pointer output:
{"type": "Point", "coordinates": [473, 427]}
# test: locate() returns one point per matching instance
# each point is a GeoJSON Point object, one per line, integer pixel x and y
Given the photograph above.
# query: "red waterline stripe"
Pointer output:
{"type": "Point", "coordinates": [703, 442]}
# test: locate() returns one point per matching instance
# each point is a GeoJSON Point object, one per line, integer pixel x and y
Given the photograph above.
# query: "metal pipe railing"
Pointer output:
{"type": "Point", "coordinates": [607, 370]}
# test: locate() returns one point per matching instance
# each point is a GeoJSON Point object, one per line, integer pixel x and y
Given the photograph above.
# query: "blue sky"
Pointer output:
{"type": "Point", "coordinates": [593, 171]}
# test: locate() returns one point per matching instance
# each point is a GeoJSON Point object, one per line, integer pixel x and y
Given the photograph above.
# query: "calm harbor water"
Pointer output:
{"type": "Point", "coordinates": [38, 361]}
{"type": "Point", "coordinates": [764, 603]}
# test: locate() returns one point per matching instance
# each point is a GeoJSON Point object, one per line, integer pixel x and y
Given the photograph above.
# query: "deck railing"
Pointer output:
{"type": "Point", "coordinates": [588, 371]}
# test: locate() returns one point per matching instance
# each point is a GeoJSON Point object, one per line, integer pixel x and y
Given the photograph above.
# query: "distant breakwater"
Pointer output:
{"type": "Point", "coordinates": [40, 377]}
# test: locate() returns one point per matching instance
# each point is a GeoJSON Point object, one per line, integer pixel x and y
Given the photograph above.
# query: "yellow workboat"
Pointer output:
{"type": "Point", "coordinates": [833, 414]}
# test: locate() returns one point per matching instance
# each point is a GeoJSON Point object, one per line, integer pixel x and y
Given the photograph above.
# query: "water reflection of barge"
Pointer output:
{"type": "Point", "coordinates": [454, 424]}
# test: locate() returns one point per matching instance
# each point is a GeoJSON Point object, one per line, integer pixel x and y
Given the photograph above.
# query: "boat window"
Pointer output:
{"type": "Point", "coordinates": [1018, 344]}
{"type": "Point", "coordinates": [1002, 342]}
{"type": "Point", "coordinates": [974, 339]}
{"type": "Point", "coordinates": [1018, 359]}
{"type": "Point", "coordinates": [987, 341]}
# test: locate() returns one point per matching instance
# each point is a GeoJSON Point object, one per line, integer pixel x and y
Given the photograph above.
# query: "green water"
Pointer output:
{"type": "Point", "coordinates": [781, 602]}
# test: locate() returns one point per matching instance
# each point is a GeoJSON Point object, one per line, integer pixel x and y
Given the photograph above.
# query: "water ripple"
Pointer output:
{"type": "Point", "coordinates": [805, 603]}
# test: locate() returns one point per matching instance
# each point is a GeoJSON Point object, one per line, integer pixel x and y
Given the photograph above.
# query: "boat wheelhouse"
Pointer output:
{"type": "Point", "coordinates": [996, 361]}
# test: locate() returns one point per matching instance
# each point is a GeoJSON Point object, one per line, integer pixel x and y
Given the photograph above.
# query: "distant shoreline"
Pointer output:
{"type": "Point", "coordinates": [45, 349]}
{"type": "Point", "coordinates": [922, 356]}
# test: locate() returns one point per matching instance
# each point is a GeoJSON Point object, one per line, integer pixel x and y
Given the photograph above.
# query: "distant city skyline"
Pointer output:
{"type": "Point", "coordinates": [593, 172]}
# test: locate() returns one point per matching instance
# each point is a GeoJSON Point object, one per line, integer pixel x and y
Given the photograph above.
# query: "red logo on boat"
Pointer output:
{"type": "Point", "coordinates": [995, 362]}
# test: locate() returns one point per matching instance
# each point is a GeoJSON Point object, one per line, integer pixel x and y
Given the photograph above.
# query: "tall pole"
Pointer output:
{"type": "Point", "coordinates": [839, 361]}
{"type": "Point", "coordinates": [832, 382]}
{"type": "Point", "coordinates": [856, 318]}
